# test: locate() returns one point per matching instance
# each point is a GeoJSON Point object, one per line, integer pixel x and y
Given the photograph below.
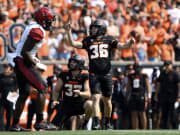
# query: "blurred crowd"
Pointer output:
{"type": "Point", "coordinates": [155, 24]}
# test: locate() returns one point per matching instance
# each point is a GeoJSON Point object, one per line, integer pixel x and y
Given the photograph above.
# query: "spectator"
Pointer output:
{"type": "Point", "coordinates": [9, 89]}
{"type": "Point", "coordinates": [167, 51]}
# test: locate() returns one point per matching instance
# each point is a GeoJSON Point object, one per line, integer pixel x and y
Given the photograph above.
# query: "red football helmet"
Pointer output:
{"type": "Point", "coordinates": [44, 16]}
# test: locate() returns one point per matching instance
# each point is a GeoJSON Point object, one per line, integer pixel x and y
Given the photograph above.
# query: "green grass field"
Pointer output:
{"type": "Point", "coordinates": [99, 132]}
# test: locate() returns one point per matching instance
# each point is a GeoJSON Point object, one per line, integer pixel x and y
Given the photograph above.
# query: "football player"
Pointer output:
{"type": "Point", "coordinates": [26, 65]}
{"type": "Point", "coordinates": [75, 87]}
{"type": "Point", "coordinates": [99, 48]}
{"type": "Point", "coordinates": [138, 86]}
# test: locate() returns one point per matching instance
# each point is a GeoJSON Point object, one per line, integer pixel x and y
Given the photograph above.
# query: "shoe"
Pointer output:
{"type": "Point", "coordinates": [41, 126]}
{"type": "Point", "coordinates": [84, 126]}
{"type": "Point", "coordinates": [96, 127]}
{"type": "Point", "coordinates": [108, 126]}
{"type": "Point", "coordinates": [44, 126]}
{"type": "Point", "coordinates": [18, 128]}
{"type": "Point", "coordinates": [52, 127]}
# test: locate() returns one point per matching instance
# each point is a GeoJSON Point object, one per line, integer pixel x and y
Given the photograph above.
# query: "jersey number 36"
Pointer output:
{"type": "Point", "coordinates": [99, 51]}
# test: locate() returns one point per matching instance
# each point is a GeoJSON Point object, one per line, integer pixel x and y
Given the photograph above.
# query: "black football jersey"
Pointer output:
{"type": "Point", "coordinates": [138, 83]}
{"type": "Point", "coordinates": [99, 52]}
{"type": "Point", "coordinates": [8, 83]}
{"type": "Point", "coordinates": [70, 83]}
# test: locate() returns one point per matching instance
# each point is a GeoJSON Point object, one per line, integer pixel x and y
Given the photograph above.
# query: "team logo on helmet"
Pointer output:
{"type": "Point", "coordinates": [100, 25]}
{"type": "Point", "coordinates": [44, 16]}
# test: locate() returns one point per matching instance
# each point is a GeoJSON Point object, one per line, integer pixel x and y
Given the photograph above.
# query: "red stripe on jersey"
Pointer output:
{"type": "Point", "coordinates": [36, 34]}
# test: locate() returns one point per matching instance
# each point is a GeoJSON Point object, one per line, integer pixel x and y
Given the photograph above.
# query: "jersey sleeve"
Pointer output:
{"type": "Point", "coordinates": [86, 77]}
{"type": "Point", "coordinates": [36, 34]}
{"type": "Point", "coordinates": [85, 44]}
{"type": "Point", "coordinates": [113, 42]}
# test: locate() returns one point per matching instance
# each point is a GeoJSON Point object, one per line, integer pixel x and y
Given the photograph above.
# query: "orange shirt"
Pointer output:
{"type": "Point", "coordinates": [153, 4]}
{"type": "Point", "coordinates": [44, 50]}
{"type": "Point", "coordinates": [6, 26]}
{"type": "Point", "coordinates": [1, 47]}
{"type": "Point", "coordinates": [13, 13]}
{"type": "Point", "coordinates": [126, 53]}
{"type": "Point", "coordinates": [20, 4]}
{"type": "Point", "coordinates": [160, 35]}
{"type": "Point", "coordinates": [125, 29]}
{"type": "Point", "coordinates": [76, 15]}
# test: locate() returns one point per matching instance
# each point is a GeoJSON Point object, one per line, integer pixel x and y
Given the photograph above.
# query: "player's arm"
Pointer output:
{"type": "Point", "coordinates": [28, 46]}
{"type": "Point", "coordinates": [128, 90]}
{"type": "Point", "coordinates": [178, 84]}
{"type": "Point", "coordinates": [126, 45]}
{"type": "Point", "coordinates": [157, 91]}
{"type": "Point", "coordinates": [76, 44]}
{"type": "Point", "coordinates": [57, 89]}
{"type": "Point", "coordinates": [86, 93]}
{"type": "Point", "coordinates": [56, 92]}
{"type": "Point", "coordinates": [148, 88]}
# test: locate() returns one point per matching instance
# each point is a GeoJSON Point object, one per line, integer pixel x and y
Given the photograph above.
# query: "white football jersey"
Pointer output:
{"type": "Point", "coordinates": [24, 37]}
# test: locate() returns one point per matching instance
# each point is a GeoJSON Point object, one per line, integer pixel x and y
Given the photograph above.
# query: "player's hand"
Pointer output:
{"type": "Point", "coordinates": [78, 92]}
{"type": "Point", "coordinates": [54, 103]}
{"type": "Point", "coordinates": [67, 26]}
{"type": "Point", "coordinates": [41, 66]}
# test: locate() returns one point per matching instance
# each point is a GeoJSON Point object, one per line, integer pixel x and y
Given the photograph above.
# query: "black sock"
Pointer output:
{"type": "Point", "coordinates": [39, 117]}
{"type": "Point", "coordinates": [85, 122]}
{"type": "Point", "coordinates": [107, 120]}
{"type": "Point", "coordinates": [15, 121]}
{"type": "Point", "coordinates": [96, 120]}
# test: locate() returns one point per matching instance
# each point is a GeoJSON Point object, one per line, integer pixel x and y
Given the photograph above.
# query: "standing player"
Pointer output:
{"type": "Point", "coordinates": [26, 65]}
{"type": "Point", "coordinates": [76, 92]}
{"type": "Point", "coordinates": [137, 87]}
{"type": "Point", "coordinates": [99, 48]}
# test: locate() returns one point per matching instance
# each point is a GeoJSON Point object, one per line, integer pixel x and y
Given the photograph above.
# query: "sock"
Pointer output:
{"type": "Point", "coordinates": [107, 120]}
{"type": "Point", "coordinates": [96, 120]}
{"type": "Point", "coordinates": [85, 122]}
{"type": "Point", "coordinates": [15, 121]}
{"type": "Point", "coordinates": [39, 117]}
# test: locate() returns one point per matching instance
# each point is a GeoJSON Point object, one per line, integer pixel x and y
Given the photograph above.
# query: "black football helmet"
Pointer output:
{"type": "Point", "coordinates": [137, 67]}
{"type": "Point", "coordinates": [100, 24]}
{"type": "Point", "coordinates": [80, 62]}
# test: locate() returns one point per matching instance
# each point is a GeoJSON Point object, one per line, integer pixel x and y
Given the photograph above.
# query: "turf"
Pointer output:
{"type": "Point", "coordinates": [99, 132]}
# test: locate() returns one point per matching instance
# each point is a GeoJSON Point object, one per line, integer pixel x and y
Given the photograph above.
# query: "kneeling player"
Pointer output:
{"type": "Point", "coordinates": [76, 92]}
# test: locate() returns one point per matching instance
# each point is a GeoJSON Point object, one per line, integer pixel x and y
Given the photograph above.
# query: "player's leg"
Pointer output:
{"type": "Point", "coordinates": [31, 112]}
{"type": "Point", "coordinates": [50, 111]}
{"type": "Point", "coordinates": [9, 112]}
{"type": "Point", "coordinates": [134, 120]}
{"type": "Point", "coordinates": [88, 112]}
{"type": "Point", "coordinates": [107, 111]}
{"type": "Point", "coordinates": [61, 115]}
{"type": "Point", "coordinates": [24, 92]}
{"type": "Point", "coordinates": [96, 96]}
{"type": "Point", "coordinates": [141, 110]}
{"type": "Point", "coordinates": [143, 119]}
{"type": "Point", "coordinates": [106, 85]}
